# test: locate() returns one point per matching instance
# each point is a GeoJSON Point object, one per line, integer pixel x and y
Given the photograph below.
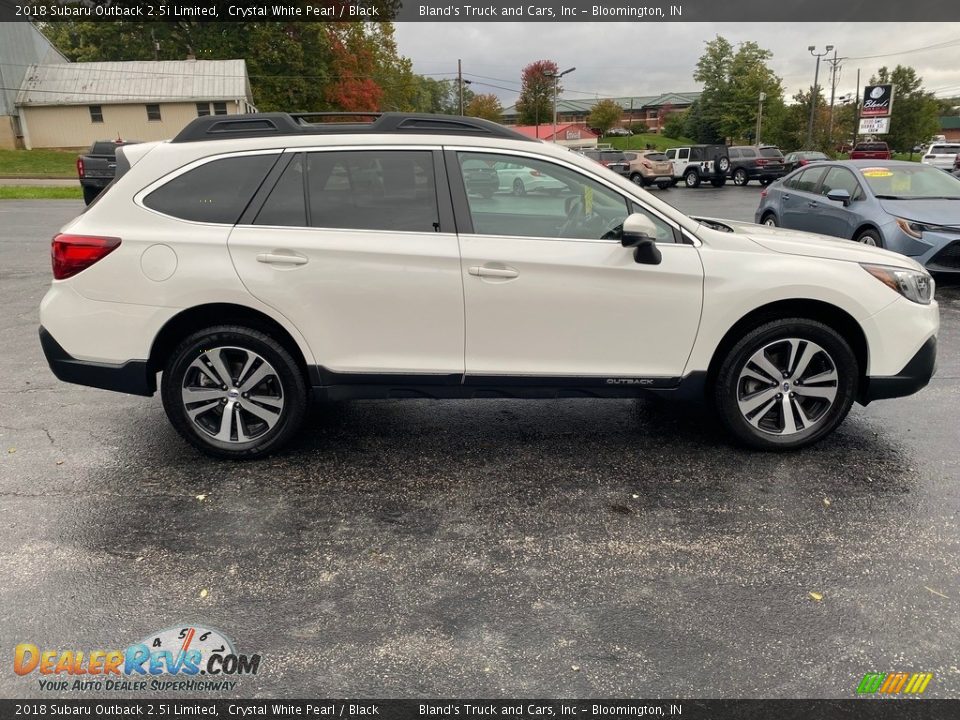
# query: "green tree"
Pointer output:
{"type": "Point", "coordinates": [605, 115]}
{"type": "Point", "coordinates": [675, 125]}
{"type": "Point", "coordinates": [485, 106]}
{"type": "Point", "coordinates": [535, 104]}
{"type": "Point", "coordinates": [732, 83]}
{"type": "Point", "coordinates": [915, 116]}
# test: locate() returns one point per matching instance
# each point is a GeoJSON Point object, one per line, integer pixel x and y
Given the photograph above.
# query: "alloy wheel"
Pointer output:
{"type": "Point", "coordinates": [788, 386]}
{"type": "Point", "coordinates": [232, 394]}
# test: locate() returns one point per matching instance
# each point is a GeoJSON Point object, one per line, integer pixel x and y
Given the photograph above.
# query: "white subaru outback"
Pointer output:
{"type": "Point", "coordinates": [254, 262]}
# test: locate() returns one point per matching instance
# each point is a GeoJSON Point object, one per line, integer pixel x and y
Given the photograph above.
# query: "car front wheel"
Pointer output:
{"type": "Point", "coordinates": [234, 392]}
{"type": "Point", "coordinates": [786, 384]}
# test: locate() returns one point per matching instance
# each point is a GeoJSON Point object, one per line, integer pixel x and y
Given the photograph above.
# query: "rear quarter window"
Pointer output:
{"type": "Point", "coordinates": [215, 192]}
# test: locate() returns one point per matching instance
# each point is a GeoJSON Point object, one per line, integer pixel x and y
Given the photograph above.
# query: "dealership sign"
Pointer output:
{"type": "Point", "coordinates": [877, 101]}
{"type": "Point", "coordinates": [874, 126]}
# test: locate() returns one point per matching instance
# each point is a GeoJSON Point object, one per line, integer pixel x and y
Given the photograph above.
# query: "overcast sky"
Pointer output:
{"type": "Point", "coordinates": [647, 59]}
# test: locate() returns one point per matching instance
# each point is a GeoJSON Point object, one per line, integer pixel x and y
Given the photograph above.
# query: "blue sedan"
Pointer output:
{"type": "Point", "coordinates": [906, 207]}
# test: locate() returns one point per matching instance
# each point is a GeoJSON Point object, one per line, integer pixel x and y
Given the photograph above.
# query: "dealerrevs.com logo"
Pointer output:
{"type": "Point", "coordinates": [187, 659]}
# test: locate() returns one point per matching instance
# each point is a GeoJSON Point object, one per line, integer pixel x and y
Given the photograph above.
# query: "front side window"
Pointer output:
{"type": "Point", "coordinates": [153, 112]}
{"type": "Point", "coordinates": [96, 113]}
{"type": "Point", "coordinates": [670, 154]}
{"type": "Point", "coordinates": [373, 190]}
{"type": "Point", "coordinates": [839, 178]}
{"type": "Point", "coordinates": [215, 192]}
{"type": "Point", "coordinates": [551, 201]}
{"type": "Point", "coordinates": [683, 154]}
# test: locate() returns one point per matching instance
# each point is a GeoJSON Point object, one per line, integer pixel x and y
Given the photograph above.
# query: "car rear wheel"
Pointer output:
{"type": "Point", "coordinates": [638, 179]}
{"type": "Point", "coordinates": [870, 237]}
{"type": "Point", "coordinates": [740, 177]}
{"type": "Point", "coordinates": [692, 179]}
{"type": "Point", "coordinates": [233, 392]}
{"type": "Point", "coordinates": [786, 384]}
{"type": "Point", "coordinates": [519, 188]}
{"type": "Point", "coordinates": [770, 220]}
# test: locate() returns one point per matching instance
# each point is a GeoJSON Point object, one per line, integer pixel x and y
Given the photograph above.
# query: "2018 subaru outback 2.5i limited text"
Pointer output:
{"type": "Point", "coordinates": [257, 261]}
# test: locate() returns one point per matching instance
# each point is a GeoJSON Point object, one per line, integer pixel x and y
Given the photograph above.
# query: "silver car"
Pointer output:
{"type": "Point", "coordinates": [906, 207]}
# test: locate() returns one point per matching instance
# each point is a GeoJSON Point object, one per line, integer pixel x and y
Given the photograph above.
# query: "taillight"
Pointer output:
{"type": "Point", "coordinates": [72, 254]}
{"type": "Point", "coordinates": [763, 193]}
{"type": "Point", "coordinates": [80, 166]}
{"type": "Point", "coordinates": [802, 161]}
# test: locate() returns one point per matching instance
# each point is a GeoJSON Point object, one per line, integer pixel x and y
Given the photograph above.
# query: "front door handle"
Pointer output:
{"type": "Point", "coordinates": [493, 272]}
{"type": "Point", "coordinates": [278, 258]}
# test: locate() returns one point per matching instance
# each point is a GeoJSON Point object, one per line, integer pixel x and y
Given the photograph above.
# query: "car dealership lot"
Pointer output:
{"type": "Point", "coordinates": [483, 548]}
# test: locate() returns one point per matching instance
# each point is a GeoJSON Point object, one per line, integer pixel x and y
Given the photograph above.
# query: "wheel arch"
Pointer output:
{"type": "Point", "coordinates": [863, 227]}
{"type": "Point", "coordinates": [828, 314]}
{"type": "Point", "coordinates": [197, 318]}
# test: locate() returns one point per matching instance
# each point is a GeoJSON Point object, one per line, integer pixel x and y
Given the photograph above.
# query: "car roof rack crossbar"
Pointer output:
{"type": "Point", "coordinates": [217, 127]}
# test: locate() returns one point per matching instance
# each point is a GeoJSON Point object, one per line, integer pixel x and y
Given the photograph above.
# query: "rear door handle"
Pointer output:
{"type": "Point", "coordinates": [277, 258]}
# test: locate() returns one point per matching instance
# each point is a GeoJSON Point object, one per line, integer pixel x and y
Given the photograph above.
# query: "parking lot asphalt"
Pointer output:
{"type": "Point", "coordinates": [495, 548]}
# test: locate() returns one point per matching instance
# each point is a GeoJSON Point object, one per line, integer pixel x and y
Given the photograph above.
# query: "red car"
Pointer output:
{"type": "Point", "coordinates": [871, 151]}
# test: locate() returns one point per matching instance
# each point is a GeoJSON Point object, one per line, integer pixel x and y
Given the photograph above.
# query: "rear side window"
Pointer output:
{"type": "Point", "coordinates": [748, 153]}
{"type": "Point", "coordinates": [215, 192]}
{"type": "Point", "coordinates": [734, 154]}
{"type": "Point", "coordinates": [373, 190]}
{"type": "Point", "coordinates": [807, 182]}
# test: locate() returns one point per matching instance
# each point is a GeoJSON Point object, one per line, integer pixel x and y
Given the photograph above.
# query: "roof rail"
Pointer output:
{"type": "Point", "coordinates": [224, 127]}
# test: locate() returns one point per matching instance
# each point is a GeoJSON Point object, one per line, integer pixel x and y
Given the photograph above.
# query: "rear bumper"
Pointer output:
{"type": "Point", "coordinates": [914, 376]}
{"type": "Point", "coordinates": [132, 377]}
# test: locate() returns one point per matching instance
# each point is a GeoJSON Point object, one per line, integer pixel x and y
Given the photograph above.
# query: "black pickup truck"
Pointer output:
{"type": "Point", "coordinates": [98, 166]}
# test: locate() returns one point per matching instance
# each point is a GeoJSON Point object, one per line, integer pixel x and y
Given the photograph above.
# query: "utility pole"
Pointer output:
{"type": "Point", "coordinates": [556, 79]}
{"type": "Point", "coordinates": [460, 84]}
{"type": "Point", "coordinates": [763, 96]}
{"type": "Point", "coordinates": [856, 121]}
{"type": "Point", "coordinates": [834, 72]}
{"type": "Point", "coordinates": [815, 94]}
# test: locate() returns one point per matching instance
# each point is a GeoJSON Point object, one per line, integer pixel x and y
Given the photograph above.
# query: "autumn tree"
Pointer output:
{"type": "Point", "coordinates": [605, 115]}
{"type": "Point", "coordinates": [535, 104]}
{"type": "Point", "coordinates": [485, 106]}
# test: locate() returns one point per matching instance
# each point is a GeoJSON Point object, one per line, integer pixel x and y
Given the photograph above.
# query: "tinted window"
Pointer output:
{"type": "Point", "coordinates": [882, 147]}
{"type": "Point", "coordinates": [734, 154]}
{"type": "Point", "coordinates": [945, 149]}
{"type": "Point", "coordinates": [770, 153]}
{"type": "Point", "coordinates": [215, 192]}
{"type": "Point", "coordinates": [575, 206]}
{"type": "Point", "coordinates": [612, 156]}
{"type": "Point", "coordinates": [809, 178]}
{"type": "Point", "coordinates": [670, 154]}
{"type": "Point", "coordinates": [748, 153]}
{"type": "Point", "coordinates": [841, 179]}
{"type": "Point", "coordinates": [373, 190]}
{"type": "Point", "coordinates": [286, 204]}
{"type": "Point", "coordinates": [655, 157]}
{"type": "Point", "coordinates": [104, 148]}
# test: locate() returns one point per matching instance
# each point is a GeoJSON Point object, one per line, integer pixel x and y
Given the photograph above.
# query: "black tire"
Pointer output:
{"type": "Point", "coordinates": [869, 237]}
{"type": "Point", "coordinates": [519, 189]}
{"type": "Point", "coordinates": [286, 383]}
{"type": "Point", "coordinates": [666, 184]}
{"type": "Point", "coordinates": [638, 179]}
{"type": "Point", "coordinates": [740, 177]}
{"type": "Point", "coordinates": [691, 178]}
{"type": "Point", "coordinates": [770, 219]}
{"type": "Point", "coordinates": [90, 194]}
{"type": "Point", "coordinates": [730, 383]}
{"type": "Point", "coordinates": [718, 182]}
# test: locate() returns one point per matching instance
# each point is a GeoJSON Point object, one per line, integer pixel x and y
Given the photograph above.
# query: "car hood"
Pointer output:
{"type": "Point", "coordinates": [795, 242]}
{"type": "Point", "coordinates": [933, 212]}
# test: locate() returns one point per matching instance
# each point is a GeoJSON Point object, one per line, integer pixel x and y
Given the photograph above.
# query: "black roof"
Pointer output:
{"type": "Point", "coordinates": [227, 127]}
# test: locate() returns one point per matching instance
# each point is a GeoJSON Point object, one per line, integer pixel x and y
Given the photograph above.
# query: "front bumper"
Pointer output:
{"type": "Point", "coordinates": [913, 377]}
{"type": "Point", "coordinates": [132, 377]}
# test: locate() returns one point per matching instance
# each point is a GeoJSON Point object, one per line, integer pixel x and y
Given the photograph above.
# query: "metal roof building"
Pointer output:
{"type": "Point", "coordinates": [21, 46]}
{"type": "Point", "coordinates": [73, 104]}
{"type": "Point", "coordinates": [636, 108]}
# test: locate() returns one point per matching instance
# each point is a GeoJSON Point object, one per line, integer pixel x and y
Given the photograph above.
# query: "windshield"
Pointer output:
{"type": "Point", "coordinates": [945, 150]}
{"type": "Point", "coordinates": [881, 147]}
{"type": "Point", "coordinates": [911, 183]}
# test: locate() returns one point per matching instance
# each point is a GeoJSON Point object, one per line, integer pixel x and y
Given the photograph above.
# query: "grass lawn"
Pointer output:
{"type": "Point", "coordinates": [38, 163]}
{"type": "Point", "coordinates": [36, 192]}
{"type": "Point", "coordinates": [639, 142]}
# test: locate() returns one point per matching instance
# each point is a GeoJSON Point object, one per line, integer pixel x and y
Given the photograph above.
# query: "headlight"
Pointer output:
{"type": "Point", "coordinates": [916, 229]}
{"type": "Point", "coordinates": [913, 285]}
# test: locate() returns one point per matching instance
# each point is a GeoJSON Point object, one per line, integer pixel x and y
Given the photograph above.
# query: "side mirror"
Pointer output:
{"type": "Point", "coordinates": [840, 196]}
{"type": "Point", "coordinates": [639, 233]}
